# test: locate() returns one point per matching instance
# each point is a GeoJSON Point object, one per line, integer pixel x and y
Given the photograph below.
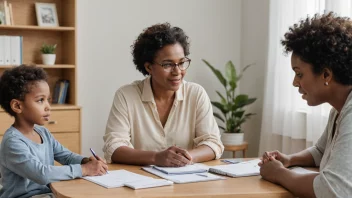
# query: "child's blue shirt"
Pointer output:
{"type": "Point", "coordinates": [27, 168]}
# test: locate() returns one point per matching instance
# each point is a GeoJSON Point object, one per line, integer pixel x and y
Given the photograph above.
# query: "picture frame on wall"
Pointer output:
{"type": "Point", "coordinates": [46, 14]}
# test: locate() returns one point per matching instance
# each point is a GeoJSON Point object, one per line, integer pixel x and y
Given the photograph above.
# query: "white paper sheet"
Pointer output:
{"type": "Point", "coordinates": [148, 183]}
{"type": "Point", "coordinates": [301, 170]}
{"type": "Point", "coordinates": [117, 178]}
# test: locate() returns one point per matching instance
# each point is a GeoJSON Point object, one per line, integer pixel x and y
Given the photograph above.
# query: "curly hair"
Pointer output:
{"type": "Point", "coordinates": [154, 38]}
{"type": "Point", "coordinates": [15, 83]}
{"type": "Point", "coordinates": [324, 41]}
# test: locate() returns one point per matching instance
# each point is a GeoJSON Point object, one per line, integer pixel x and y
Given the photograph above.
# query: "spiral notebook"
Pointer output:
{"type": "Point", "coordinates": [242, 169]}
{"type": "Point", "coordinates": [189, 169]}
{"type": "Point", "coordinates": [183, 174]}
{"type": "Point", "coordinates": [119, 178]}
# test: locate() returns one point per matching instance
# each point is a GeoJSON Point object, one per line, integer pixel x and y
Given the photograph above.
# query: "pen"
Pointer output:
{"type": "Point", "coordinates": [231, 161]}
{"type": "Point", "coordinates": [203, 175]}
{"type": "Point", "coordinates": [95, 155]}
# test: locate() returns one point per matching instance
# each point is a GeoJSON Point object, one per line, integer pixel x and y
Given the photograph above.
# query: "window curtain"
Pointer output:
{"type": "Point", "coordinates": [289, 124]}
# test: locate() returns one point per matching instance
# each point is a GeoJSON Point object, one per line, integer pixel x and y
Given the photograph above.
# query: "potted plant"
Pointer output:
{"type": "Point", "coordinates": [48, 54]}
{"type": "Point", "coordinates": [231, 105]}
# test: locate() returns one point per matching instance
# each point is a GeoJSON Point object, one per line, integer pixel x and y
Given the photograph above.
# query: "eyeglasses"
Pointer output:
{"type": "Point", "coordinates": [169, 67]}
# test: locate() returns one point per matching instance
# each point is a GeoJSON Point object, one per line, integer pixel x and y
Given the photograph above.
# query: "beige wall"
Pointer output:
{"type": "Point", "coordinates": [107, 28]}
{"type": "Point", "coordinates": [255, 27]}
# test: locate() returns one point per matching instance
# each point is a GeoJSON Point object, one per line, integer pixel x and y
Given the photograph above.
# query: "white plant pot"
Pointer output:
{"type": "Point", "coordinates": [232, 138]}
{"type": "Point", "coordinates": [48, 59]}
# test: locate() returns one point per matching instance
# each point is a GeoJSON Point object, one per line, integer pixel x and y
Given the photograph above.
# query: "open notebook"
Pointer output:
{"type": "Point", "coordinates": [189, 169]}
{"type": "Point", "coordinates": [118, 178]}
{"type": "Point", "coordinates": [242, 169]}
{"type": "Point", "coordinates": [301, 170]}
{"type": "Point", "coordinates": [184, 174]}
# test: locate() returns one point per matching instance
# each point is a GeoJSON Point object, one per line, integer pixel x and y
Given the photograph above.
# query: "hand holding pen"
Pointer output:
{"type": "Point", "coordinates": [98, 158]}
{"type": "Point", "coordinates": [96, 166]}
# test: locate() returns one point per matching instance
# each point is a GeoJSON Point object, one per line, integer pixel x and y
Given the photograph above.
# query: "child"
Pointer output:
{"type": "Point", "coordinates": [28, 151]}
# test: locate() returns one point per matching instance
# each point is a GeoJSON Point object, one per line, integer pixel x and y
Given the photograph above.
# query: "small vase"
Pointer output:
{"type": "Point", "coordinates": [48, 59]}
{"type": "Point", "coordinates": [232, 138]}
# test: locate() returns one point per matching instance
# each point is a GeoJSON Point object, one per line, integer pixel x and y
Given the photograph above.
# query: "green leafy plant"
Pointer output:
{"type": "Point", "coordinates": [48, 49]}
{"type": "Point", "coordinates": [2, 16]}
{"type": "Point", "coordinates": [231, 106]}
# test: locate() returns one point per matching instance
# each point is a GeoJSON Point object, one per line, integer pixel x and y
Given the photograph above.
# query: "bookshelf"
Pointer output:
{"type": "Point", "coordinates": [65, 118]}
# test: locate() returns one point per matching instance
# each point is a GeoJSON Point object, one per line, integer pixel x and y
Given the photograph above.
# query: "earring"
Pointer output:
{"type": "Point", "coordinates": [326, 83]}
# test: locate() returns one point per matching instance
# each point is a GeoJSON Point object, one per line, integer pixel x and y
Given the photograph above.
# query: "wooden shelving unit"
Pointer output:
{"type": "Point", "coordinates": [34, 36]}
{"type": "Point", "coordinates": [61, 66]}
{"type": "Point", "coordinates": [33, 27]}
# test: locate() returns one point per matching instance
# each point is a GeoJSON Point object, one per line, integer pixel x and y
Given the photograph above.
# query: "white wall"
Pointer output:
{"type": "Point", "coordinates": [255, 28]}
{"type": "Point", "coordinates": [107, 28]}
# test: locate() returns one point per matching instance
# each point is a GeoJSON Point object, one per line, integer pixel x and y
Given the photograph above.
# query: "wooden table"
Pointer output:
{"type": "Point", "coordinates": [231, 187]}
{"type": "Point", "coordinates": [241, 147]}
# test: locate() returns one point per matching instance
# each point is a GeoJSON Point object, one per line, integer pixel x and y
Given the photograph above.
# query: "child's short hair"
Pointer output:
{"type": "Point", "coordinates": [15, 84]}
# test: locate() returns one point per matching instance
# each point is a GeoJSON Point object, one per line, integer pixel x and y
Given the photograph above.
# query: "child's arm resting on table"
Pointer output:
{"type": "Point", "coordinates": [63, 155]}
{"type": "Point", "coordinates": [20, 160]}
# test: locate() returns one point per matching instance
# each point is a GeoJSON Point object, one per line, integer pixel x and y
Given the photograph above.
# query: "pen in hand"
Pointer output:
{"type": "Point", "coordinates": [96, 156]}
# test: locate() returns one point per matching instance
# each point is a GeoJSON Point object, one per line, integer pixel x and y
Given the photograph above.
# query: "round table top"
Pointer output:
{"type": "Point", "coordinates": [252, 187]}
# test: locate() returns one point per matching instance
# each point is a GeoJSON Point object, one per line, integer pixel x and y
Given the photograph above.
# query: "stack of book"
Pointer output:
{"type": "Point", "coordinates": [60, 91]}
{"type": "Point", "coordinates": [6, 14]}
{"type": "Point", "coordinates": [11, 50]}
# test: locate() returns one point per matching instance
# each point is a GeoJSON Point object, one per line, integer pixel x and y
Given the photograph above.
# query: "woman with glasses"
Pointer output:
{"type": "Point", "coordinates": [161, 120]}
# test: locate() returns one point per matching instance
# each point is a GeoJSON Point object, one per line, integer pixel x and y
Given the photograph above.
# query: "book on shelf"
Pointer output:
{"type": "Point", "coordinates": [7, 50]}
{"type": "Point", "coordinates": [60, 92]}
{"type": "Point", "coordinates": [16, 50]}
{"type": "Point", "coordinates": [2, 50]}
{"type": "Point", "coordinates": [11, 14]}
{"type": "Point", "coordinates": [6, 13]}
{"type": "Point", "coordinates": [2, 14]}
{"type": "Point", "coordinates": [11, 50]}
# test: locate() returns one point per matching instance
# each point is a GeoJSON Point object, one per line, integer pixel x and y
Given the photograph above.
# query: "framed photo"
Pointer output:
{"type": "Point", "coordinates": [46, 14]}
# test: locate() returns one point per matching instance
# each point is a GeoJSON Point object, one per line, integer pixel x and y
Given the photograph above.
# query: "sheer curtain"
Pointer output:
{"type": "Point", "coordinates": [289, 124]}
